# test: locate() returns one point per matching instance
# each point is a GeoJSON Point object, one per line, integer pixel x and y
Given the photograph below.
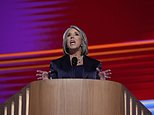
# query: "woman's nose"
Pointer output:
{"type": "Point", "coordinates": [72, 37]}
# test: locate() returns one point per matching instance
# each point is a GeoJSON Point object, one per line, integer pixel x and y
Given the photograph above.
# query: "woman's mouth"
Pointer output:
{"type": "Point", "coordinates": [72, 42]}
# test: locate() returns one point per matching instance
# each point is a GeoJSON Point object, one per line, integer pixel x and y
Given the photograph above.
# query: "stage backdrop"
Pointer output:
{"type": "Point", "coordinates": [120, 34]}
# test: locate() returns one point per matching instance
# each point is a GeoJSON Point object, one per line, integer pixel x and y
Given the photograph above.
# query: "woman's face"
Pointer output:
{"type": "Point", "coordinates": [73, 39]}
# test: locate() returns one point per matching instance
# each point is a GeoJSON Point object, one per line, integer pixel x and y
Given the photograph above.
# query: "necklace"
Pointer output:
{"type": "Point", "coordinates": [80, 60]}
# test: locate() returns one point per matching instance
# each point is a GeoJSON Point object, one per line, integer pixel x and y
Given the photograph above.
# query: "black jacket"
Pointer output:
{"type": "Point", "coordinates": [61, 68]}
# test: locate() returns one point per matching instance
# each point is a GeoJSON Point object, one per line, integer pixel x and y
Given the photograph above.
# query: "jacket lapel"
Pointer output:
{"type": "Point", "coordinates": [67, 65]}
{"type": "Point", "coordinates": [86, 66]}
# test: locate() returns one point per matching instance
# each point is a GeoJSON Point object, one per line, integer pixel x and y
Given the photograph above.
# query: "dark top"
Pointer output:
{"type": "Point", "coordinates": [78, 71]}
{"type": "Point", "coordinates": [61, 68]}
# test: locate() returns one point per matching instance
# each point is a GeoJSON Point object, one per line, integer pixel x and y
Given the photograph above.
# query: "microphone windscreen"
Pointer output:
{"type": "Point", "coordinates": [74, 61]}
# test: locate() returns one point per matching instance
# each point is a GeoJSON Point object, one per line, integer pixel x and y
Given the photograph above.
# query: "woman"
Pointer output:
{"type": "Point", "coordinates": [75, 63]}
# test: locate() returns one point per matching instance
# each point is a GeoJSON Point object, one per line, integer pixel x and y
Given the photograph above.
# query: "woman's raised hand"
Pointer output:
{"type": "Point", "coordinates": [104, 74]}
{"type": "Point", "coordinates": [42, 75]}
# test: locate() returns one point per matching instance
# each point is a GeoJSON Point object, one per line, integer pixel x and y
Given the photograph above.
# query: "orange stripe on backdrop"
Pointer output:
{"type": "Point", "coordinates": [144, 64]}
{"type": "Point", "coordinates": [29, 60]}
{"type": "Point", "coordinates": [90, 48]}
{"type": "Point", "coordinates": [103, 60]}
{"type": "Point", "coordinates": [125, 58]}
{"type": "Point", "coordinates": [144, 42]}
{"type": "Point", "coordinates": [25, 67]}
{"type": "Point", "coordinates": [91, 54]}
{"type": "Point", "coordinates": [121, 51]}
{"type": "Point", "coordinates": [31, 53]}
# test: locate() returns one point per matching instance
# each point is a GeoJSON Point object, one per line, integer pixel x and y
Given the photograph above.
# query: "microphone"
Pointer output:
{"type": "Point", "coordinates": [74, 61]}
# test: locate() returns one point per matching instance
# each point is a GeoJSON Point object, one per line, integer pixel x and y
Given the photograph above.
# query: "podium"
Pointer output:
{"type": "Point", "coordinates": [73, 97]}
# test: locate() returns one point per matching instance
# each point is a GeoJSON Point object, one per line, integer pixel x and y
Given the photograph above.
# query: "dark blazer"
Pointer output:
{"type": "Point", "coordinates": [61, 68]}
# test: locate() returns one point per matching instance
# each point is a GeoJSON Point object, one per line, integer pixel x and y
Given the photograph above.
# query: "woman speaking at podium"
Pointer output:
{"type": "Point", "coordinates": [75, 63]}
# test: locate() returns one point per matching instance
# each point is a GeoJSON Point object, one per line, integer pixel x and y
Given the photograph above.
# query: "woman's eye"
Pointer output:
{"type": "Point", "coordinates": [76, 34]}
{"type": "Point", "coordinates": [68, 35]}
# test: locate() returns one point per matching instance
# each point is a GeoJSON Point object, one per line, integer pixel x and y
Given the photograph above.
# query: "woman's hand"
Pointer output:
{"type": "Point", "coordinates": [104, 74]}
{"type": "Point", "coordinates": [42, 75]}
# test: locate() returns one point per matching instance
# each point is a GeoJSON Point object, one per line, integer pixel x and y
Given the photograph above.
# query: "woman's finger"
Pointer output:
{"type": "Point", "coordinates": [39, 78]}
{"type": "Point", "coordinates": [40, 71]}
{"type": "Point", "coordinates": [108, 70]}
{"type": "Point", "coordinates": [107, 76]}
{"type": "Point", "coordinates": [98, 69]}
{"type": "Point", "coordinates": [42, 78]}
{"type": "Point", "coordinates": [108, 73]}
{"type": "Point", "coordinates": [39, 75]}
